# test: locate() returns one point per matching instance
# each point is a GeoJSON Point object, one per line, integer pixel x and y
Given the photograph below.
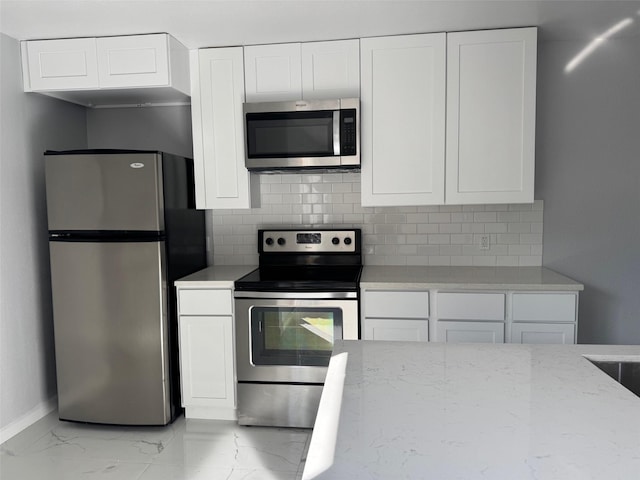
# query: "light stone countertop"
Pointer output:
{"type": "Point", "coordinates": [461, 278]}
{"type": "Point", "coordinates": [220, 275]}
{"type": "Point", "coordinates": [402, 410]}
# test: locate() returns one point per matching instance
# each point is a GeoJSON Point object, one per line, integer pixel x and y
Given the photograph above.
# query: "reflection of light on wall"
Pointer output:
{"type": "Point", "coordinates": [596, 42]}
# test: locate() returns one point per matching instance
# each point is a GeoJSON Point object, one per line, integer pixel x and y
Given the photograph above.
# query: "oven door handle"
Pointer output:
{"type": "Point", "coordinates": [296, 295]}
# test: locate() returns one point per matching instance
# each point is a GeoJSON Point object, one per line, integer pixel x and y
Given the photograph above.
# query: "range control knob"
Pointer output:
{"type": "Point", "coordinates": [269, 241]}
{"type": "Point", "coordinates": [347, 240]}
{"type": "Point", "coordinates": [281, 241]}
{"type": "Point", "coordinates": [335, 240]}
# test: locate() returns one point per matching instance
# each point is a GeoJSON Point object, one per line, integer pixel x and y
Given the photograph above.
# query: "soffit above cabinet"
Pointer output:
{"type": "Point", "coordinates": [135, 70]}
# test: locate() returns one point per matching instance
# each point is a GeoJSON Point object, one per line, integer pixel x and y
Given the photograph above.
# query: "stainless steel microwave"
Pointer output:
{"type": "Point", "coordinates": [302, 134]}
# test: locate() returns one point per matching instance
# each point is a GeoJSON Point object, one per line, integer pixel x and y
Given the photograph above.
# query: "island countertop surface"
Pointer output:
{"type": "Point", "coordinates": [404, 410]}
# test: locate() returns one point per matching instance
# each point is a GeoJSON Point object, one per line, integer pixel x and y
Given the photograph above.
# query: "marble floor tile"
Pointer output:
{"type": "Point", "coordinates": [185, 450]}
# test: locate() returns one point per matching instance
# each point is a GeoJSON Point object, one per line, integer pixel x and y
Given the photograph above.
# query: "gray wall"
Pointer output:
{"type": "Point", "coordinates": [29, 125]}
{"type": "Point", "coordinates": [588, 173]}
{"type": "Point", "coordinates": [167, 129]}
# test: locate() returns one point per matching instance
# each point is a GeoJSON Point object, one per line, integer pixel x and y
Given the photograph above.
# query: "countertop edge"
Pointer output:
{"type": "Point", "coordinates": [215, 275]}
{"type": "Point", "coordinates": [466, 278]}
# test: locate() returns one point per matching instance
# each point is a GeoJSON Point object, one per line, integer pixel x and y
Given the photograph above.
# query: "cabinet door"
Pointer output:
{"type": "Point", "coordinates": [331, 69]}
{"type": "Point", "coordinates": [403, 119]}
{"type": "Point", "coordinates": [557, 333]}
{"type": "Point", "coordinates": [217, 94]}
{"type": "Point", "coordinates": [491, 95]}
{"type": "Point", "coordinates": [273, 72]}
{"type": "Point", "coordinates": [469, 332]}
{"type": "Point", "coordinates": [61, 64]}
{"type": "Point", "coordinates": [133, 61]}
{"type": "Point", "coordinates": [206, 361]}
{"type": "Point", "coordinates": [396, 329]}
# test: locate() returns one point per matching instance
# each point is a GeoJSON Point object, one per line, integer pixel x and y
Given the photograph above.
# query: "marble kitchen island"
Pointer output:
{"type": "Point", "coordinates": [404, 410]}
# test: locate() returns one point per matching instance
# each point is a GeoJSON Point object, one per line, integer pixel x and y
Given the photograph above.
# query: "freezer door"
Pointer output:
{"type": "Point", "coordinates": [104, 191]}
{"type": "Point", "coordinates": [111, 337]}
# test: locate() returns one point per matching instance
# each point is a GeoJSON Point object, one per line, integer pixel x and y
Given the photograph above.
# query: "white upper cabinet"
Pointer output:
{"type": "Point", "coordinates": [294, 71]}
{"type": "Point", "coordinates": [331, 69]}
{"type": "Point", "coordinates": [483, 83]}
{"type": "Point", "coordinates": [133, 69]}
{"type": "Point", "coordinates": [273, 72]}
{"type": "Point", "coordinates": [491, 97]}
{"type": "Point", "coordinates": [403, 119]}
{"type": "Point", "coordinates": [222, 181]}
{"type": "Point", "coordinates": [137, 62]}
{"type": "Point", "coordinates": [60, 64]}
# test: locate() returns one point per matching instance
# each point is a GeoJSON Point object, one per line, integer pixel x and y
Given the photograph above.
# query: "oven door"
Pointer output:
{"type": "Point", "coordinates": [290, 340]}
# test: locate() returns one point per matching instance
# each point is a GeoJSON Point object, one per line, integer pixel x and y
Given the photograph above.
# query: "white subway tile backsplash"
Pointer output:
{"type": "Point", "coordinates": [412, 235]}
{"type": "Point", "coordinates": [531, 238]}
{"type": "Point", "coordinates": [462, 239]}
{"type": "Point", "coordinates": [410, 250]}
{"type": "Point", "coordinates": [450, 228]}
{"type": "Point", "coordinates": [519, 227]}
{"type": "Point", "coordinates": [450, 250]}
{"type": "Point", "coordinates": [508, 217]}
{"type": "Point", "coordinates": [439, 218]}
{"type": "Point", "coordinates": [484, 261]}
{"type": "Point", "coordinates": [428, 227]}
{"type": "Point", "coordinates": [439, 239]}
{"type": "Point", "coordinates": [485, 217]}
{"type": "Point", "coordinates": [473, 228]}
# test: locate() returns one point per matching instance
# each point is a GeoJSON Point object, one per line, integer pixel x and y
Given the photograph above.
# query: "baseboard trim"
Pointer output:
{"type": "Point", "coordinates": [32, 416]}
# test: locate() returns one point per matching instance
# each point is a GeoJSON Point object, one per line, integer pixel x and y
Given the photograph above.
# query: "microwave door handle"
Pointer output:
{"type": "Point", "coordinates": [336, 133]}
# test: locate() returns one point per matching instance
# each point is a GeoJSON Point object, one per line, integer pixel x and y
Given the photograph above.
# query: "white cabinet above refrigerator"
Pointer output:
{"type": "Point", "coordinates": [124, 70]}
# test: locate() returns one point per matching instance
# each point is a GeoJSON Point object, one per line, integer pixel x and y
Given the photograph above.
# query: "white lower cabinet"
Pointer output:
{"type": "Point", "coordinates": [549, 317]}
{"type": "Point", "coordinates": [395, 315]}
{"type": "Point", "coordinates": [396, 329]}
{"type": "Point", "coordinates": [206, 338]}
{"type": "Point", "coordinates": [558, 333]}
{"type": "Point", "coordinates": [469, 332]}
{"type": "Point", "coordinates": [470, 316]}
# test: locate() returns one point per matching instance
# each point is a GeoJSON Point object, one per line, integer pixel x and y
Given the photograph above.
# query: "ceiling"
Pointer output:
{"type": "Point", "coordinates": [210, 23]}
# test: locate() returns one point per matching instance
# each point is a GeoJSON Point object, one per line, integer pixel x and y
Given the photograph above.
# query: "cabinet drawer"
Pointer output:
{"type": "Point", "coordinates": [544, 307]}
{"type": "Point", "coordinates": [205, 302]}
{"type": "Point", "coordinates": [394, 304]}
{"type": "Point", "coordinates": [545, 333]}
{"type": "Point", "coordinates": [471, 306]}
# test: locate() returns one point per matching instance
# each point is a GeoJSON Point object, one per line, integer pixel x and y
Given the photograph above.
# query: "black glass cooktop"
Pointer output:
{"type": "Point", "coordinates": [298, 278]}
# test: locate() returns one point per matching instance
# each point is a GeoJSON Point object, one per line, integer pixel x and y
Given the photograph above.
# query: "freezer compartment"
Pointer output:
{"type": "Point", "coordinates": [99, 192]}
{"type": "Point", "coordinates": [111, 332]}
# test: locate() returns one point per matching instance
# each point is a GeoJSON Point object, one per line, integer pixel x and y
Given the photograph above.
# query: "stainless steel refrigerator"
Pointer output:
{"type": "Point", "coordinates": [122, 228]}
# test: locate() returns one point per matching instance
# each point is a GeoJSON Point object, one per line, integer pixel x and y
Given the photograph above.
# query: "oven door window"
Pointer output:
{"type": "Point", "coordinates": [293, 335]}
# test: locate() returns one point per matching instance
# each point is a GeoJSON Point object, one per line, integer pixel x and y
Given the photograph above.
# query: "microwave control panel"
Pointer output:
{"type": "Point", "coordinates": [348, 127]}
